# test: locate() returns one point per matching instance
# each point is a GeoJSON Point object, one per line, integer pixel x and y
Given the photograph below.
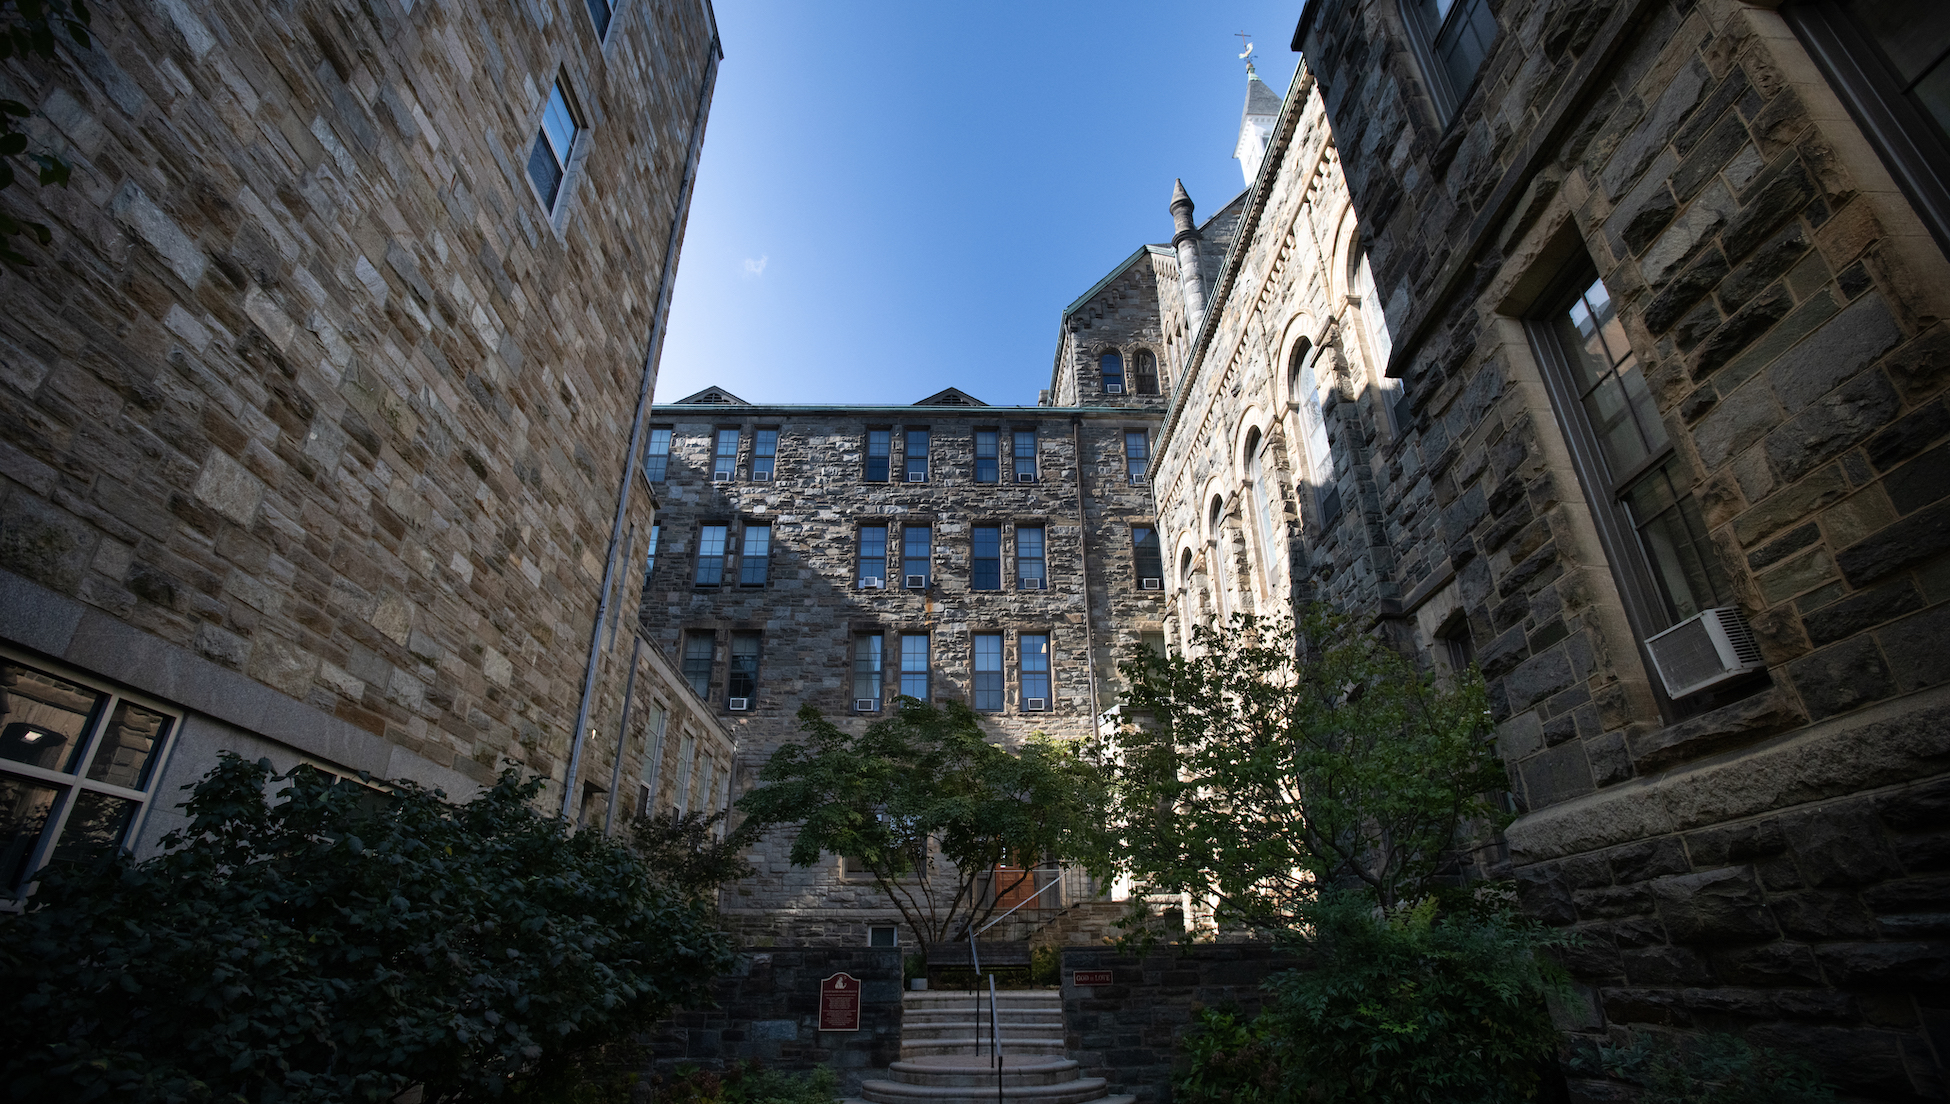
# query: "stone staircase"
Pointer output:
{"type": "Point", "coordinates": [942, 1061]}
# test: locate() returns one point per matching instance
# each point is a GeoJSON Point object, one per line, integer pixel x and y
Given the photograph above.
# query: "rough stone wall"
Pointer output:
{"type": "Point", "coordinates": [309, 389]}
{"type": "Point", "coordinates": [1122, 317]}
{"type": "Point", "coordinates": [1770, 861]}
{"type": "Point", "coordinates": [767, 1011]}
{"type": "Point", "coordinates": [810, 608]}
{"type": "Point", "coordinates": [1129, 1032]}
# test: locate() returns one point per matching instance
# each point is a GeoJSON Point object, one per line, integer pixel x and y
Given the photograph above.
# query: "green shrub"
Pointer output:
{"type": "Point", "coordinates": [331, 948]}
{"type": "Point", "coordinates": [1713, 1068]}
{"type": "Point", "coordinates": [1406, 1009]}
{"type": "Point", "coordinates": [748, 1083]}
{"type": "Point", "coordinates": [1046, 966]}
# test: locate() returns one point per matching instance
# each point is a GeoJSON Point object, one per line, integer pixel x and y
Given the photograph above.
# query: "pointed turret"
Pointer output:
{"type": "Point", "coordinates": [1185, 240]}
{"type": "Point", "coordinates": [1255, 125]}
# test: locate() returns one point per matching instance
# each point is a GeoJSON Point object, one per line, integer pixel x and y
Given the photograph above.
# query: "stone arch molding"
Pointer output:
{"type": "Point", "coordinates": [1253, 418]}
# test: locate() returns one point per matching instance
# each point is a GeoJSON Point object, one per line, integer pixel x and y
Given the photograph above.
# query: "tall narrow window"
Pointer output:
{"type": "Point", "coordinates": [650, 557]}
{"type": "Point", "coordinates": [1631, 467]}
{"type": "Point", "coordinates": [987, 461]}
{"type": "Point", "coordinates": [1452, 37]}
{"type": "Point", "coordinates": [1150, 561]}
{"type": "Point", "coordinates": [724, 455]}
{"type": "Point", "coordinates": [917, 555]}
{"type": "Point", "coordinates": [548, 161]}
{"type": "Point", "coordinates": [697, 661]}
{"type": "Point", "coordinates": [712, 542]}
{"type": "Point", "coordinates": [988, 672]}
{"type": "Point", "coordinates": [1112, 366]}
{"type": "Point", "coordinates": [656, 458]}
{"type": "Point", "coordinates": [742, 684]}
{"type": "Point", "coordinates": [1145, 373]}
{"type": "Point", "coordinates": [866, 670]}
{"type": "Point", "coordinates": [914, 665]}
{"type": "Point", "coordinates": [1269, 558]}
{"type": "Point", "coordinates": [873, 556]}
{"type": "Point", "coordinates": [1025, 455]}
{"type": "Point", "coordinates": [756, 557]}
{"type": "Point", "coordinates": [1137, 454]}
{"type": "Point", "coordinates": [1153, 642]}
{"type": "Point", "coordinates": [765, 451]}
{"type": "Point", "coordinates": [880, 443]}
{"type": "Point", "coordinates": [985, 558]}
{"type": "Point", "coordinates": [915, 462]}
{"type": "Point", "coordinates": [686, 767]}
{"type": "Point", "coordinates": [1033, 676]}
{"type": "Point", "coordinates": [599, 14]}
{"type": "Point", "coordinates": [1381, 345]}
{"type": "Point", "coordinates": [1031, 573]}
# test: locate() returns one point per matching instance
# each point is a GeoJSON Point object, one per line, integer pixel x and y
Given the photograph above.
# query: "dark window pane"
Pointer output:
{"type": "Point", "coordinates": [916, 460]}
{"type": "Point", "coordinates": [697, 662]}
{"type": "Point", "coordinates": [1112, 366]}
{"type": "Point", "coordinates": [1147, 374]}
{"type": "Point", "coordinates": [128, 746]}
{"type": "Point", "coordinates": [985, 571]}
{"type": "Point", "coordinates": [544, 171]}
{"type": "Point", "coordinates": [988, 671]}
{"type": "Point", "coordinates": [94, 829]}
{"type": "Point", "coordinates": [917, 548]}
{"type": "Point", "coordinates": [1035, 666]}
{"type": "Point", "coordinates": [879, 447]}
{"type": "Point", "coordinates": [866, 667]}
{"type": "Point", "coordinates": [656, 460]}
{"type": "Point", "coordinates": [24, 810]}
{"type": "Point", "coordinates": [1029, 555]}
{"type": "Point", "coordinates": [873, 552]}
{"type": "Point", "coordinates": [44, 718]}
{"type": "Point", "coordinates": [765, 450]}
{"type": "Point", "coordinates": [711, 541]}
{"type": "Point", "coordinates": [743, 680]}
{"type": "Point", "coordinates": [599, 12]}
{"type": "Point", "coordinates": [1025, 452]}
{"type": "Point", "coordinates": [1674, 539]}
{"type": "Point", "coordinates": [986, 459]}
{"type": "Point", "coordinates": [1150, 562]}
{"type": "Point", "coordinates": [756, 558]}
{"type": "Point", "coordinates": [914, 665]}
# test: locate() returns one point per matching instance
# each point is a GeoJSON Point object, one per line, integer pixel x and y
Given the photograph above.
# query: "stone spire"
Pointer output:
{"type": "Point", "coordinates": [1255, 125]}
{"type": "Point", "coordinates": [1185, 239]}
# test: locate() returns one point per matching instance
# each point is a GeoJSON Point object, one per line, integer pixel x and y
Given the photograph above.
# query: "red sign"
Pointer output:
{"type": "Point", "coordinates": [839, 1003]}
{"type": "Point", "coordinates": [1090, 977]}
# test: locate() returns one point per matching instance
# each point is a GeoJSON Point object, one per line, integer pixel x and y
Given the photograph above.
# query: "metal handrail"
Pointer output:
{"type": "Point", "coordinates": [975, 958]}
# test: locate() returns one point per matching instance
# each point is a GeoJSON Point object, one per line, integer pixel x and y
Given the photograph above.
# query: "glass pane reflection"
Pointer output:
{"type": "Point", "coordinates": [128, 746]}
{"type": "Point", "coordinates": [24, 810]}
{"type": "Point", "coordinates": [43, 718]}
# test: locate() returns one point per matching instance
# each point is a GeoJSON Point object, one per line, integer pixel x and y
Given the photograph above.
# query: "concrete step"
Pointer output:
{"type": "Point", "coordinates": [945, 1028]}
{"type": "Point", "coordinates": [1122, 1099]}
{"type": "Point", "coordinates": [1068, 1092]}
{"type": "Point", "coordinates": [965, 1046]}
{"type": "Point", "coordinates": [952, 1070]}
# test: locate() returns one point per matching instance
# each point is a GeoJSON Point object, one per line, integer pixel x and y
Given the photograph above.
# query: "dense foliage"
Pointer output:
{"type": "Point", "coordinates": [688, 853]}
{"type": "Point", "coordinates": [1263, 765]}
{"type": "Point", "coordinates": [748, 1083]}
{"type": "Point", "coordinates": [931, 807]}
{"type": "Point", "coordinates": [341, 945]}
{"type": "Point", "coordinates": [1711, 1068]}
{"type": "Point", "coordinates": [30, 28]}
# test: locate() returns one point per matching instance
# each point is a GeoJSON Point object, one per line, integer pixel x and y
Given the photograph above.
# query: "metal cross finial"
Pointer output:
{"type": "Point", "coordinates": [1245, 39]}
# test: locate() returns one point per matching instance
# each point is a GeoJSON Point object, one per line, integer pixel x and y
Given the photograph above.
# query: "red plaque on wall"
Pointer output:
{"type": "Point", "coordinates": [839, 1003]}
{"type": "Point", "coordinates": [1090, 977]}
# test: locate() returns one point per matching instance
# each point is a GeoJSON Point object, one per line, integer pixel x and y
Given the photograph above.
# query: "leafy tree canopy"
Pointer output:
{"type": "Point", "coordinates": [29, 28]}
{"type": "Point", "coordinates": [1264, 765]}
{"type": "Point", "coordinates": [338, 945]}
{"type": "Point", "coordinates": [930, 806]}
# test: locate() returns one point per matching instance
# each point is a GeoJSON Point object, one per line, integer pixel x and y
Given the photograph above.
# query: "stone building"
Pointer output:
{"type": "Point", "coordinates": [1601, 344]}
{"type": "Point", "coordinates": [317, 414]}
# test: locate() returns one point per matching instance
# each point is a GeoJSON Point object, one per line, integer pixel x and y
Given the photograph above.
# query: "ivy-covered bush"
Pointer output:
{"type": "Point", "coordinates": [336, 945]}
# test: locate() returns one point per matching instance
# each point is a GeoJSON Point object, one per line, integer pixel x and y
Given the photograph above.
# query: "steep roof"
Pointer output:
{"type": "Point", "coordinates": [1260, 100]}
{"type": "Point", "coordinates": [953, 396]}
{"type": "Point", "coordinates": [712, 396]}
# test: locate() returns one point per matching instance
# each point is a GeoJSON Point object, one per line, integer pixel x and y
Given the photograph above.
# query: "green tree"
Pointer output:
{"type": "Point", "coordinates": [931, 807]}
{"type": "Point", "coordinates": [685, 852]}
{"type": "Point", "coordinates": [1261, 767]}
{"type": "Point", "coordinates": [341, 945]}
{"type": "Point", "coordinates": [28, 28]}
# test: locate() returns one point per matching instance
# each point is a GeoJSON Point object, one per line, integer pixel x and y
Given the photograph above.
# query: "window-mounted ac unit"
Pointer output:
{"type": "Point", "coordinates": [1704, 650]}
{"type": "Point", "coordinates": [761, 477]}
{"type": "Point", "coordinates": [1025, 477]}
{"type": "Point", "coordinates": [1035, 705]}
{"type": "Point", "coordinates": [1151, 584]}
{"type": "Point", "coordinates": [1113, 389]}
{"type": "Point", "coordinates": [720, 476]}
{"type": "Point", "coordinates": [1137, 479]}
{"type": "Point", "coordinates": [866, 705]}
{"type": "Point", "coordinates": [873, 582]}
{"type": "Point", "coordinates": [917, 477]}
{"type": "Point", "coordinates": [1032, 584]}
{"type": "Point", "coordinates": [739, 705]}
{"type": "Point", "coordinates": [917, 582]}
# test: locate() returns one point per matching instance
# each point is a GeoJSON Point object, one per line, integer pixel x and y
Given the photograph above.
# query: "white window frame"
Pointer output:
{"type": "Point", "coordinates": [557, 212]}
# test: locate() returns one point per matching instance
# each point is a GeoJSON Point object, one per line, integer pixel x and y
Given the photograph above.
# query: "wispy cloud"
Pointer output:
{"type": "Point", "coordinates": [757, 267]}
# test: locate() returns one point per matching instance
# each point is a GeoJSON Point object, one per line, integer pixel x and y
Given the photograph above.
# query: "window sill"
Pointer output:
{"type": "Point", "coordinates": [1755, 717]}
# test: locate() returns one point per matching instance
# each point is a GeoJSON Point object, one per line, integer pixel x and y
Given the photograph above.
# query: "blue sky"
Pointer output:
{"type": "Point", "coordinates": [897, 198]}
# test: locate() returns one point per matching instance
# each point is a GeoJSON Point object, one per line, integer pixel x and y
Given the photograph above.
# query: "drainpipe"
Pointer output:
{"type": "Point", "coordinates": [1083, 559]}
{"type": "Point", "coordinates": [657, 327]}
{"type": "Point", "coordinates": [622, 735]}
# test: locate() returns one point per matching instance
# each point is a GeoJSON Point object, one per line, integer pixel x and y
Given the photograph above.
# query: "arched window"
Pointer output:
{"type": "Point", "coordinates": [1185, 601]}
{"type": "Point", "coordinates": [1304, 390]}
{"type": "Point", "coordinates": [1381, 344]}
{"type": "Point", "coordinates": [1112, 366]}
{"type": "Point", "coordinates": [1269, 560]}
{"type": "Point", "coordinates": [1216, 524]}
{"type": "Point", "coordinates": [1147, 373]}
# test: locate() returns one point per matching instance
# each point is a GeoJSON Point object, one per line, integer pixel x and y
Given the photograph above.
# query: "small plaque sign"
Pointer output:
{"type": "Point", "coordinates": [839, 1003]}
{"type": "Point", "coordinates": [1090, 977]}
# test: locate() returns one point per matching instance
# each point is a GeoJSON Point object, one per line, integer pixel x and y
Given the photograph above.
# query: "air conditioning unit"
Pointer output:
{"type": "Point", "coordinates": [739, 705]}
{"type": "Point", "coordinates": [720, 477]}
{"type": "Point", "coordinates": [917, 582]}
{"type": "Point", "coordinates": [873, 582]}
{"type": "Point", "coordinates": [761, 477]}
{"type": "Point", "coordinates": [866, 705]}
{"type": "Point", "coordinates": [1032, 584]}
{"type": "Point", "coordinates": [1151, 584]}
{"type": "Point", "coordinates": [1025, 477]}
{"type": "Point", "coordinates": [1137, 479]}
{"type": "Point", "coordinates": [917, 477]}
{"type": "Point", "coordinates": [1113, 389]}
{"type": "Point", "coordinates": [1704, 650]}
{"type": "Point", "coordinates": [1035, 705]}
